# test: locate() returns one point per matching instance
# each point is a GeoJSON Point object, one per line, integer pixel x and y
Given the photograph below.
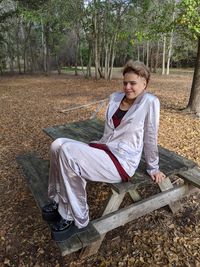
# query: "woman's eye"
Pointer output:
{"type": "Point", "coordinates": [131, 83]}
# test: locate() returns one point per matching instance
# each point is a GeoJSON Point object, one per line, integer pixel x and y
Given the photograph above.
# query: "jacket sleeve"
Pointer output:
{"type": "Point", "coordinates": [151, 125]}
{"type": "Point", "coordinates": [106, 126]}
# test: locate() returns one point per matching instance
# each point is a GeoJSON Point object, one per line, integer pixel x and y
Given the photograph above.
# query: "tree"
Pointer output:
{"type": "Point", "coordinates": [189, 17]}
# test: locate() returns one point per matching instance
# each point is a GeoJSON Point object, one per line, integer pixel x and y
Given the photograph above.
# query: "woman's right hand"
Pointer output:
{"type": "Point", "coordinates": [158, 176]}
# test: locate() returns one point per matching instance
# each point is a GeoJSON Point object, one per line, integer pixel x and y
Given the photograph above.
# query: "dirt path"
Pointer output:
{"type": "Point", "coordinates": [29, 104]}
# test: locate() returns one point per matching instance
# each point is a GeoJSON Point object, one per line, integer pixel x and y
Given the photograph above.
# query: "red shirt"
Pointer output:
{"type": "Point", "coordinates": [117, 117]}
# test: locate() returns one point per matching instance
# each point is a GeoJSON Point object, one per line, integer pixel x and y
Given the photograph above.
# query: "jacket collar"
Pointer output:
{"type": "Point", "coordinates": [115, 102]}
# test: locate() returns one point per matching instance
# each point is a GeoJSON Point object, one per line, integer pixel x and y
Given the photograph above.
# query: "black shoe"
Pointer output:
{"type": "Point", "coordinates": [50, 212]}
{"type": "Point", "coordinates": [61, 225]}
{"type": "Point", "coordinates": [63, 230]}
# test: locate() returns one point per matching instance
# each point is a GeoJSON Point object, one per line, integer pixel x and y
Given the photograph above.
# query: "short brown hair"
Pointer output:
{"type": "Point", "coordinates": [138, 68]}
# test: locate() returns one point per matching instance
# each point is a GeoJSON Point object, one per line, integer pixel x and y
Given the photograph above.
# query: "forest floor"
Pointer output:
{"type": "Point", "coordinates": [30, 103]}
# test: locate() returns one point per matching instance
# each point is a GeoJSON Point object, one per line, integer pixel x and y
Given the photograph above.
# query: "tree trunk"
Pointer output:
{"type": "Point", "coordinates": [81, 59]}
{"type": "Point", "coordinates": [33, 65]}
{"type": "Point", "coordinates": [170, 46]}
{"type": "Point", "coordinates": [147, 59]}
{"type": "Point", "coordinates": [89, 73]}
{"type": "Point", "coordinates": [138, 52]}
{"type": "Point", "coordinates": [96, 57]}
{"type": "Point", "coordinates": [11, 64]}
{"type": "Point", "coordinates": [18, 57]}
{"type": "Point", "coordinates": [169, 53]}
{"type": "Point", "coordinates": [18, 50]}
{"type": "Point", "coordinates": [58, 64]}
{"type": "Point", "coordinates": [152, 57]}
{"type": "Point", "coordinates": [24, 55]}
{"type": "Point", "coordinates": [157, 57]}
{"type": "Point", "coordinates": [194, 101]}
{"type": "Point", "coordinates": [111, 67]}
{"type": "Point", "coordinates": [76, 57]}
{"type": "Point", "coordinates": [48, 50]}
{"type": "Point", "coordinates": [112, 56]}
{"type": "Point", "coordinates": [44, 48]}
{"type": "Point", "coordinates": [143, 52]}
{"type": "Point", "coordinates": [163, 58]}
{"type": "Point", "coordinates": [106, 62]}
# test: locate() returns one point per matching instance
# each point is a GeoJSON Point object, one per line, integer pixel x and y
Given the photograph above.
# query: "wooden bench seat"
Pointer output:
{"type": "Point", "coordinates": [36, 171]}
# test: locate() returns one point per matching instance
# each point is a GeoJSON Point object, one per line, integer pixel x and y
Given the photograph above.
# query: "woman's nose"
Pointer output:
{"type": "Point", "coordinates": [128, 85]}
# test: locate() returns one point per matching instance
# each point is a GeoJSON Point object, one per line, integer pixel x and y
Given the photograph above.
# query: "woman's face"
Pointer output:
{"type": "Point", "coordinates": [134, 85]}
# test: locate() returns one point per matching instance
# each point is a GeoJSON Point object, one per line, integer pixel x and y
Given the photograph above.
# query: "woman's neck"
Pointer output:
{"type": "Point", "coordinates": [126, 103]}
{"type": "Point", "coordinates": [129, 101]}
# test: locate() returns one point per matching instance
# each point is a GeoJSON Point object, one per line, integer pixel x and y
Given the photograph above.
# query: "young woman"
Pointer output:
{"type": "Point", "coordinates": [131, 126]}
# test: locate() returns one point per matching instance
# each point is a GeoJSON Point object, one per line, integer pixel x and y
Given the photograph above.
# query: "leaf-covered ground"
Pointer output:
{"type": "Point", "coordinates": [30, 103]}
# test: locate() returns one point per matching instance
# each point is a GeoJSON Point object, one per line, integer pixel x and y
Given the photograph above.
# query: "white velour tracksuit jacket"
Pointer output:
{"type": "Point", "coordinates": [138, 130]}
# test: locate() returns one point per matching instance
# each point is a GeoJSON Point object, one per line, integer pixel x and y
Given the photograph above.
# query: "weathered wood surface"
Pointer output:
{"type": "Point", "coordinates": [36, 171]}
{"type": "Point", "coordinates": [166, 185]}
{"type": "Point", "coordinates": [112, 204]}
{"type": "Point", "coordinates": [88, 130]}
{"type": "Point", "coordinates": [141, 208]}
{"type": "Point", "coordinates": [84, 131]}
{"type": "Point", "coordinates": [191, 176]}
{"type": "Point", "coordinates": [135, 195]}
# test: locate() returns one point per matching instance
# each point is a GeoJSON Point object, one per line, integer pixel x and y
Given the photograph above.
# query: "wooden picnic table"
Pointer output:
{"type": "Point", "coordinates": [36, 170]}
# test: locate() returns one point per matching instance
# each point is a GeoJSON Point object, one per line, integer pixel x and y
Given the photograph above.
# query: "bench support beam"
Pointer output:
{"type": "Point", "coordinates": [111, 220]}
{"type": "Point", "coordinates": [135, 195]}
{"type": "Point", "coordinates": [112, 205]}
{"type": "Point", "coordinates": [166, 185]}
{"type": "Point", "coordinates": [141, 208]}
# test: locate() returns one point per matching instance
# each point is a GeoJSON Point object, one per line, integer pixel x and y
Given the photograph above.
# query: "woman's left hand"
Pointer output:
{"type": "Point", "coordinates": [158, 177]}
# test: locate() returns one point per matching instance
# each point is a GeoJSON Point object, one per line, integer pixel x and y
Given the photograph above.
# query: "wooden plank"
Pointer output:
{"type": "Point", "coordinates": [112, 204]}
{"type": "Point", "coordinates": [36, 171]}
{"type": "Point", "coordinates": [166, 185]}
{"type": "Point", "coordinates": [70, 245]}
{"type": "Point", "coordinates": [141, 208]}
{"type": "Point", "coordinates": [79, 241]}
{"type": "Point", "coordinates": [84, 131]}
{"type": "Point", "coordinates": [135, 195]}
{"type": "Point", "coordinates": [175, 157]}
{"type": "Point", "coordinates": [90, 235]}
{"type": "Point", "coordinates": [141, 178]}
{"type": "Point", "coordinates": [191, 176]}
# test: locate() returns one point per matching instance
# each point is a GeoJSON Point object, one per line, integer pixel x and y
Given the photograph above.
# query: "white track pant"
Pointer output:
{"type": "Point", "coordinates": [71, 164]}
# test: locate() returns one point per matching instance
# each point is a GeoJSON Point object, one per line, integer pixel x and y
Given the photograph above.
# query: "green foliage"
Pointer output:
{"type": "Point", "coordinates": [189, 17]}
{"type": "Point", "coordinates": [122, 27]}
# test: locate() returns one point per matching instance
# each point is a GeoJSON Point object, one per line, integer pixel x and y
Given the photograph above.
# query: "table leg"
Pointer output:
{"type": "Point", "coordinates": [135, 195]}
{"type": "Point", "coordinates": [113, 204]}
{"type": "Point", "coordinates": [166, 185]}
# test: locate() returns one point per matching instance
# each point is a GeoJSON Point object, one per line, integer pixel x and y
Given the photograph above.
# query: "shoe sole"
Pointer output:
{"type": "Point", "coordinates": [60, 236]}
